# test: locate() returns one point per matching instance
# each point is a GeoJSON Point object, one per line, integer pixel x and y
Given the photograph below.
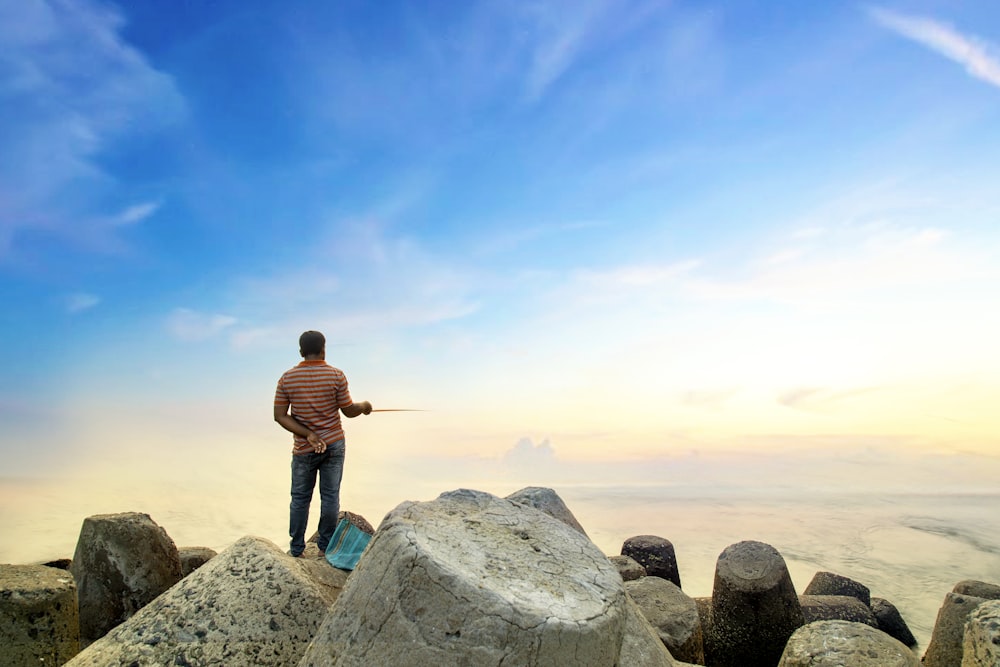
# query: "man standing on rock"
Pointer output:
{"type": "Point", "coordinates": [316, 393]}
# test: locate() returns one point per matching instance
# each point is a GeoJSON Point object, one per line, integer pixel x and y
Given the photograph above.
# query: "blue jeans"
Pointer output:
{"type": "Point", "coordinates": [330, 466]}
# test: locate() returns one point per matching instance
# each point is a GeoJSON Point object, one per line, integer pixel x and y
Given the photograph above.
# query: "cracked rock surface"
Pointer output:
{"type": "Point", "coordinates": [472, 579]}
{"type": "Point", "coordinates": [250, 605]}
{"type": "Point", "coordinates": [548, 501]}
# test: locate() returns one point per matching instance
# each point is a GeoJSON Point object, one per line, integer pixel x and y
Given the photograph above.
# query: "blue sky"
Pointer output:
{"type": "Point", "coordinates": [614, 228]}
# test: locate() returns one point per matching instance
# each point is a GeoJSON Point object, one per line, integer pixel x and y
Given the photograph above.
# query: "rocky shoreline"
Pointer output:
{"type": "Point", "coordinates": [466, 579]}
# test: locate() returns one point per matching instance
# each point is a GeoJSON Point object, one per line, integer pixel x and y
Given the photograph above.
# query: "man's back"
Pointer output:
{"type": "Point", "coordinates": [316, 392]}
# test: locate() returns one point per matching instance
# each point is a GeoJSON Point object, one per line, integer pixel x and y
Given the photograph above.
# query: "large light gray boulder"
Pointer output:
{"type": "Point", "coordinates": [844, 644]}
{"type": "Point", "coordinates": [548, 501]}
{"type": "Point", "coordinates": [836, 608]}
{"type": "Point", "coordinates": [754, 607]}
{"type": "Point", "coordinates": [39, 624]}
{"type": "Point", "coordinates": [945, 647]}
{"type": "Point", "coordinates": [672, 614]}
{"type": "Point", "coordinates": [472, 579]}
{"type": "Point", "coordinates": [122, 562]}
{"type": "Point", "coordinates": [250, 605]}
{"type": "Point", "coordinates": [981, 647]}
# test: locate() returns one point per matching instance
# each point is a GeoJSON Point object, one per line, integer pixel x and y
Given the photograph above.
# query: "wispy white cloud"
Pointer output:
{"type": "Point", "coordinates": [363, 281]}
{"type": "Point", "coordinates": [562, 32]}
{"type": "Point", "coordinates": [81, 301]}
{"type": "Point", "coordinates": [980, 58]}
{"type": "Point", "coordinates": [136, 213]}
{"type": "Point", "coordinates": [69, 86]}
{"type": "Point", "coordinates": [190, 325]}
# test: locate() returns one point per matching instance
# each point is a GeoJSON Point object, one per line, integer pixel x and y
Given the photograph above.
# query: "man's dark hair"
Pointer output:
{"type": "Point", "coordinates": [311, 342]}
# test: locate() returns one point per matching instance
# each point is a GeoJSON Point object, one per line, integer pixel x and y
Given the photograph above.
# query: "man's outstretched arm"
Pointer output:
{"type": "Point", "coordinates": [355, 409]}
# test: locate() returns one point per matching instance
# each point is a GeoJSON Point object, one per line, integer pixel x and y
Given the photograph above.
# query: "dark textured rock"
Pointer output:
{"type": "Point", "coordinates": [835, 608]}
{"type": "Point", "coordinates": [891, 622]}
{"type": "Point", "coordinates": [672, 614]}
{"type": "Point", "coordinates": [704, 606]}
{"type": "Point", "coordinates": [472, 579]}
{"type": "Point", "coordinates": [250, 605]}
{"type": "Point", "coordinates": [548, 501]}
{"type": "Point", "coordinates": [945, 647]}
{"type": "Point", "coordinates": [122, 562]}
{"type": "Point", "coordinates": [981, 646]}
{"type": "Point", "coordinates": [979, 589]}
{"type": "Point", "coordinates": [194, 557]}
{"type": "Point", "coordinates": [754, 607]}
{"type": "Point", "coordinates": [60, 563]}
{"type": "Point", "coordinates": [39, 624]}
{"type": "Point", "coordinates": [655, 554]}
{"type": "Point", "coordinates": [844, 644]}
{"type": "Point", "coordinates": [828, 583]}
{"type": "Point", "coordinates": [627, 568]}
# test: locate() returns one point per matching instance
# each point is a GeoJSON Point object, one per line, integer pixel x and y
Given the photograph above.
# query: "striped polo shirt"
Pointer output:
{"type": "Point", "coordinates": [316, 391]}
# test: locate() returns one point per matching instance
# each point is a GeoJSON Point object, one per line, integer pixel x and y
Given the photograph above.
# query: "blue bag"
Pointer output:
{"type": "Point", "coordinates": [346, 545]}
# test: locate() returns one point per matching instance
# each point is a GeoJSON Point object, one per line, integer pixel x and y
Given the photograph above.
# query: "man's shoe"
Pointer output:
{"type": "Point", "coordinates": [298, 555]}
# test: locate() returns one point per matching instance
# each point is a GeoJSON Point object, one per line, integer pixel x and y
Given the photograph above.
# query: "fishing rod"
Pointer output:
{"type": "Point", "coordinates": [399, 410]}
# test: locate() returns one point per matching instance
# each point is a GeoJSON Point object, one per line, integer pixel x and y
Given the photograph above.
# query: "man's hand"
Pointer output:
{"type": "Point", "coordinates": [317, 443]}
{"type": "Point", "coordinates": [355, 409]}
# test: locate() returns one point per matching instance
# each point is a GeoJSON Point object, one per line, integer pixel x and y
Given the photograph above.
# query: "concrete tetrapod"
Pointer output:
{"type": "Point", "coordinates": [945, 647]}
{"type": "Point", "coordinates": [250, 605]}
{"type": "Point", "coordinates": [672, 614]}
{"type": "Point", "coordinates": [836, 608]}
{"type": "Point", "coordinates": [754, 607]}
{"type": "Point", "coordinates": [39, 624]}
{"type": "Point", "coordinates": [828, 583]}
{"type": "Point", "coordinates": [122, 561]}
{"type": "Point", "coordinates": [981, 647]}
{"type": "Point", "coordinates": [840, 643]}
{"type": "Point", "coordinates": [548, 501]}
{"type": "Point", "coordinates": [472, 579]}
{"type": "Point", "coordinates": [627, 568]}
{"type": "Point", "coordinates": [890, 621]}
{"type": "Point", "coordinates": [655, 554]}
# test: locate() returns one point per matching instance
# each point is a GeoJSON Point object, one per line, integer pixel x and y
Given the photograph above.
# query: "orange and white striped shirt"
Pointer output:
{"type": "Point", "coordinates": [316, 391]}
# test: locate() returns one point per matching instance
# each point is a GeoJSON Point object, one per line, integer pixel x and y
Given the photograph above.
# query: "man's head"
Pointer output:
{"type": "Point", "coordinates": [312, 344]}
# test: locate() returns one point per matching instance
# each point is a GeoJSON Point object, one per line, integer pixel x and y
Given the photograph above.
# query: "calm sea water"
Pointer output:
{"type": "Point", "coordinates": [908, 547]}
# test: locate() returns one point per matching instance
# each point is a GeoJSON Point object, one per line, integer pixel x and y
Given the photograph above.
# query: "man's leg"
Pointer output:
{"type": "Point", "coordinates": [331, 471]}
{"type": "Point", "coordinates": [303, 482]}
